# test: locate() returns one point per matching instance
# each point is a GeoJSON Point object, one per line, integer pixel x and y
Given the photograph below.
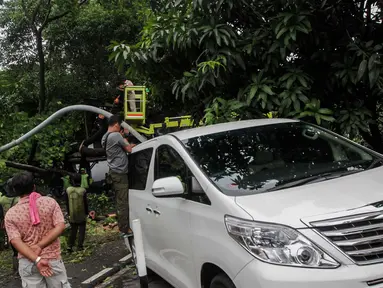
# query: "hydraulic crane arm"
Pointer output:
{"type": "Point", "coordinates": [61, 113]}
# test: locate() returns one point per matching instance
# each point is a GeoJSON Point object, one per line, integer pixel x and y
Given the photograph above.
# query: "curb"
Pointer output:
{"type": "Point", "coordinates": [108, 272]}
{"type": "Point", "coordinates": [114, 278]}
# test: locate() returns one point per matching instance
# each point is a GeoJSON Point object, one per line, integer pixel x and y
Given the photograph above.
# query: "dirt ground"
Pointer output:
{"type": "Point", "coordinates": [154, 282]}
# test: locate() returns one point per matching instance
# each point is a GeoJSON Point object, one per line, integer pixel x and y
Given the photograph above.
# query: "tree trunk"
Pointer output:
{"type": "Point", "coordinates": [40, 53]}
{"type": "Point", "coordinates": [42, 171]}
{"type": "Point", "coordinates": [42, 91]}
{"type": "Point", "coordinates": [33, 151]}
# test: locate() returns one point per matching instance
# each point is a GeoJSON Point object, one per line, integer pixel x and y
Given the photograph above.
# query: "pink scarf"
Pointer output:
{"type": "Point", "coordinates": [35, 218]}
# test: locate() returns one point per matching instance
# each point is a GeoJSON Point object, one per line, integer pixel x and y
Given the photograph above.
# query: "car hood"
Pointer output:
{"type": "Point", "coordinates": [290, 206]}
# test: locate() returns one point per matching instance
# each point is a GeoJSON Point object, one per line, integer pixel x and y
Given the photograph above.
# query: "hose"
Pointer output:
{"type": "Point", "coordinates": [62, 112]}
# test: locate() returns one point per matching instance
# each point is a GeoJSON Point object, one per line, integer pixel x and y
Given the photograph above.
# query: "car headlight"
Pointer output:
{"type": "Point", "coordinates": [277, 244]}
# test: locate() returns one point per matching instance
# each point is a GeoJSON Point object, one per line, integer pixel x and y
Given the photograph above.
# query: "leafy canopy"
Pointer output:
{"type": "Point", "coordinates": [315, 60]}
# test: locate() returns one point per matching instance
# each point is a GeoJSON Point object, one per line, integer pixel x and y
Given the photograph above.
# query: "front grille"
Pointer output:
{"type": "Point", "coordinates": [360, 236]}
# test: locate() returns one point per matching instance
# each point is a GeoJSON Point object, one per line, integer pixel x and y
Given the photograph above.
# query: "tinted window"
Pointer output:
{"type": "Point", "coordinates": [139, 168]}
{"type": "Point", "coordinates": [169, 163]}
{"type": "Point", "coordinates": [257, 159]}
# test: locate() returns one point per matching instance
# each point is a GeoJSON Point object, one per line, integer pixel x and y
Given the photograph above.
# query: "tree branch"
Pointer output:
{"type": "Point", "coordinates": [34, 14]}
{"type": "Point", "coordinates": [41, 171]}
{"type": "Point", "coordinates": [26, 15]}
{"type": "Point", "coordinates": [47, 16]}
{"type": "Point", "coordinates": [54, 18]}
{"type": "Point", "coordinates": [24, 7]}
{"type": "Point", "coordinates": [82, 2]}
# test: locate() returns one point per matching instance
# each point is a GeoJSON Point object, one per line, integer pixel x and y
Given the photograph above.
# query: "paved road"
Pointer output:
{"type": "Point", "coordinates": [154, 282]}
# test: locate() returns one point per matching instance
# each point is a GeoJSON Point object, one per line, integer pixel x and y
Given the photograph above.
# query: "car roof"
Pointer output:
{"type": "Point", "coordinates": [217, 128]}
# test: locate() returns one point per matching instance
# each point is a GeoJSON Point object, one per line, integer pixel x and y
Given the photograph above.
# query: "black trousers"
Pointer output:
{"type": "Point", "coordinates": [15, 253]}
{"type": "Point", "coordinates": [74, 228]}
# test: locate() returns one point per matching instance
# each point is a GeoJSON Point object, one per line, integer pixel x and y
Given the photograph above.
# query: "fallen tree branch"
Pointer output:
{"type": "Point", "coordinates": [41, 171]}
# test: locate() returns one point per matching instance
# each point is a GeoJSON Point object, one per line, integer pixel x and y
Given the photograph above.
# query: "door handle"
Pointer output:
{"type": "Point", "coordinates": [155, 211]}
{"type": "Point", "coordinates": [150, 210]}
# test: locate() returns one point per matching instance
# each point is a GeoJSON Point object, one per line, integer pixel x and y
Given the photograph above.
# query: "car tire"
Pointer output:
{"type": "Point", "coordinates": [221, 281]}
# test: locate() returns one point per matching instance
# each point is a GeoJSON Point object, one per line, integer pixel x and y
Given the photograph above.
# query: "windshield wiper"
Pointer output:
{"type": "Point", "coordinates": [314, 178]}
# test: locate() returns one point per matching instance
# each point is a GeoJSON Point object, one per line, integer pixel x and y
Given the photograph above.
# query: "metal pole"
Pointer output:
{"type": "Point", "coordinates": [140, 254]}
{"type": "Point", "coordinates": [61, 113]}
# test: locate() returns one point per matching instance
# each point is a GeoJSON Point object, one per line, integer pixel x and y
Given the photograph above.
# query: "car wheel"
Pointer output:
{"type": "Point", "coordinates": [222, 281]}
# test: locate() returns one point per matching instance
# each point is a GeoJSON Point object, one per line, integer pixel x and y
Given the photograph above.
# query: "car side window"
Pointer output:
{"type": "Point", "coordinates": [169, 163]}
{"type": "Point", "coordinates": [139, 164]}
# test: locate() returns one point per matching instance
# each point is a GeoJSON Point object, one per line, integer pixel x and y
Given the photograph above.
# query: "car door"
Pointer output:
{"type": "Point", "coordinates": [172, 235]}
{"type": "Point", "coordinates": [141, 162]}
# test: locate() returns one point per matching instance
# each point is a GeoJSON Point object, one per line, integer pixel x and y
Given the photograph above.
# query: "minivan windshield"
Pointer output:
{"type": "Point", "coordinates": [272, 157]}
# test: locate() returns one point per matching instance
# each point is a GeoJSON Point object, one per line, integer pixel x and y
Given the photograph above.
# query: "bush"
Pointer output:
{"type": "Point", "coordinates": [102, 204]}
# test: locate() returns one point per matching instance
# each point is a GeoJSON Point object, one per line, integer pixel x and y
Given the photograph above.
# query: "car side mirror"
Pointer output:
{"type": "Point", "coordinates": [166, 187]}
{"type": "Point", "coordinates": [196, 187]}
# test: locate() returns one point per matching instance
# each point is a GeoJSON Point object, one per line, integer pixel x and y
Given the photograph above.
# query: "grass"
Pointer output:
{"type": "Point", "coordinates": [95, 237]}
{"type": "Point", "coordinates": [6, 262]}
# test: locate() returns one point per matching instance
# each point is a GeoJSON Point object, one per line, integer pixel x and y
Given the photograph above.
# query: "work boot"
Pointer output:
{"type": "Point", "coordinates": [129, 233]}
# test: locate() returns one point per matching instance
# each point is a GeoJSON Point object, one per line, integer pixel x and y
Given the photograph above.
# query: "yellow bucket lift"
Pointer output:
{"type": "Point", "coordinates": [139, 115]}
{"type": "Point", "coordinates": [137, 119]}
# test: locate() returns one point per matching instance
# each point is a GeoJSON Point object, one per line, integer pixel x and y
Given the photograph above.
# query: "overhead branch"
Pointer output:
{"type": "Point", "coordinates": [24, 7]}
{"type": "Point", "coordinates": [26, 13]}
{"type": "Point", "coordinates": [54, 18]}
{"type": "Point", "coordinates": [47, 16]}
{"type": "Point", "coordinates": [41, 171]}
{"type": "Point", "coordinates": [34, 14]}
{"type": "Point", "coordinates": [82, 2]}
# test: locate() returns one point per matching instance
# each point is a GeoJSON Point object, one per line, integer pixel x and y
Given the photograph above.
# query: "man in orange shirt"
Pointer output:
{"type": "Point", "coordinates": [33, 226]}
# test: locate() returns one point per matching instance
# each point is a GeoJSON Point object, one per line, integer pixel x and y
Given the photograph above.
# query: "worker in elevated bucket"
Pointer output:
{"type": "Point", "coordinates": [77, 207]}
{"type": "Point", "coordinates": [119, 101]}
{"type": "Point", "coordinates": [102, 123]}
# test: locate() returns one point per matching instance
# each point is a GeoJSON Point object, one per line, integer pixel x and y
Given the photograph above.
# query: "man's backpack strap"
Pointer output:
{"type": "Point", "coordinates": [106, 140]}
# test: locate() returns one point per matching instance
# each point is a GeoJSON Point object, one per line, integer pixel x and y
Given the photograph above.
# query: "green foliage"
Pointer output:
{"type": "Point", "coordinates": [102, 204]}
{"type": "Point", "coordinates": [319, 61]}
{"type": "Point", "coordinates": [223, 111]}
{"type": "Point", "coordinates": [77, 69]}
{"type": "Point", "coordinates": [83, 39]}
{"type": "Point", "coordinates": [110, 220]}
{"type": "Point", "coordinates": [95, 237]}
{"type": "Point", "coordinates": [54, 141]}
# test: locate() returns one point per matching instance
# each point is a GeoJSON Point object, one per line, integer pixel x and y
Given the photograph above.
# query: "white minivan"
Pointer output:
{"type": "Point", "coordinates": [264, 203]}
